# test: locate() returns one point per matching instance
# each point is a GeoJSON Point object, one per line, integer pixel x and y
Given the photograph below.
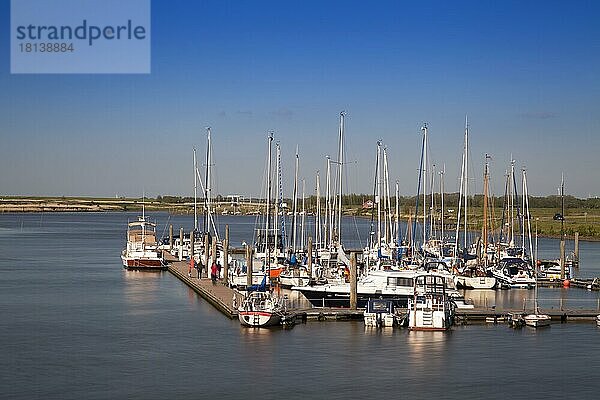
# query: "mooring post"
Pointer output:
{"type": "Point", "coordinates": [562, 259]}
{"type": "Point", "coordinates": [249, 266]}
{"type": "Point", "coordinates": [576, 251]}
{"type": "Point", "coordinates": [206, 251]}
{"type": "Point", "coordinates": [226, 255]}
{"type": "Point", "coordinates": [353, 281]}
{"type": "Point", "coordinates": [180, 244]}
{"type": "Point", "coordinates": [310, 259]}
{"type": "Point", "coordinates": [191, 253]}
{"type": "Point", "coordinates": [213, 251]}
{"type": "Point", "coordinates": [170, 237]}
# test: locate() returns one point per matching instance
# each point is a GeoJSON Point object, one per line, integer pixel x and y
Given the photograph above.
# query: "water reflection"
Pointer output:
{"type": "Point", "coordinates": [426, 349]}
{"type": "Point", "coordinates": [386, 331]}
{"type": "Point", "coordinates": [141, 288]}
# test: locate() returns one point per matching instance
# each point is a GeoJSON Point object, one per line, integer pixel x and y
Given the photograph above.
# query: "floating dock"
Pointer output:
{"type": "Point", "coordinates": [219, 295]}
{"type": "Point", "coordinates": [226, 300]}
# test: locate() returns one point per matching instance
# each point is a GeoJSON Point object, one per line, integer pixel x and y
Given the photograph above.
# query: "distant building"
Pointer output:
{"type": "Point", "coordinates": [368, 204]}
{"type": "Point", "coordinates": [234, 199]}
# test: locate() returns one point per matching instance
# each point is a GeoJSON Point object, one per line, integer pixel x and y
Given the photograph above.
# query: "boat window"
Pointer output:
{"type": "Point", "coordinates": [393, 281]}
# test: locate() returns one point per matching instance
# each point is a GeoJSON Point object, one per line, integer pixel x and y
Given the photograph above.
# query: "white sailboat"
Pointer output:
{"type": "Point", "coordinates": [474, 276]}
{"type": "Point", "coordinates": [261, 309]}
{"type": "Point", "coordinates": [537, 319]}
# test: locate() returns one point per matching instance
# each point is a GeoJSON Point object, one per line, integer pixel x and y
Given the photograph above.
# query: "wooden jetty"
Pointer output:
{"type": "Point", "coordinates": [219, 295]}
{"type": "Point", "coordinates": [490, 315]}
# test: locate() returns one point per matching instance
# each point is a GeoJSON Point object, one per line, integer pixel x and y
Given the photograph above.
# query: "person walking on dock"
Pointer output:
{"type": "Point", "coordinates": [214, 270]}
{"type": "Point", "coordinates": [199, 267]}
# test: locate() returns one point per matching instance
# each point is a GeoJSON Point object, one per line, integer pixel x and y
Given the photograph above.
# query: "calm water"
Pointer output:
{"type": "Point", "coordinates": [75, 325]}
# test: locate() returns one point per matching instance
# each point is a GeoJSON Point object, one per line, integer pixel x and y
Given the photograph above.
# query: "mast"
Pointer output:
{"type": "Point", "coordinates": [397, 221]}
{"type": "Point", "coordinates": [318, 213]}
{"type": "Point", "coordinates": [195, 194]}
{"type": "Point", "coordinates": [303, 217]}
{"type": "Point", "coordinates": [328, 208]}
{"type": "Point", "coordinates": [460, 196]}
{"type": "Point", "coordinates": [207, 185]}
{"type": "Point", "coordinates": [484, 232]}
{"type": "Point", "coordinates": [277, 191]}
{"type": "Point", "coordinates": [562, 206]}
{"type": "Point", "coordinates": [432, 206]}
{"type": "Point", "coordinates": [143, 220]}
{"type": "Point", "coordinates": [424, 183]}
{"type": "Point", "coordinates": [388, 211]}
{"type": "Point", "coordinates": [267, 253]}
{"type": "Point", "coordinates": [527, 215]}
{"type": "Point", "coordinates": [442, 172]}
{"type": "Point", "coordinates": [466, 176]}
{"type": "Point", "coordinates": [378, 193]}
{"type": "Point", "coordinates": [511, 200]}
{"type": "Point", "coordinates": [295, 220]}
{"type": "Point", "coordinates": [341, 176]}
{"type": "Point", "coordinates": [414, 228]}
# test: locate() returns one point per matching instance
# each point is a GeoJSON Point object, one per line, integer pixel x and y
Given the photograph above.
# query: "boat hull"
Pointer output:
{"type": "Point", "coordinates": [537, 320]}
{"type": "Point", "coordinates": [476, 282]}
{"type": "Point", "coordinates": [259, 319]}
{"type": "Point", "coordinates": [143, 263]}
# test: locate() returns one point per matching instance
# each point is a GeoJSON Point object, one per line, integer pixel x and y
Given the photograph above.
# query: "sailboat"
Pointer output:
{"type": "Point", "coordinates": [537, 319]}
{"type": "Point", "coordinates": [260, 308]}
{"type": "Point", "coordinates": [475, 276]}
{"type": "Point", "coordinates": [514, 270]}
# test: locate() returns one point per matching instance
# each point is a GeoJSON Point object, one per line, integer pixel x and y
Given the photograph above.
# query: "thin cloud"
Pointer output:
{"type": "Point", "coordinates": [539, 115]}
{"type": "Point", "coordinates": [282, 113]}
{"type": "Point", "coordinates": [246, 113]}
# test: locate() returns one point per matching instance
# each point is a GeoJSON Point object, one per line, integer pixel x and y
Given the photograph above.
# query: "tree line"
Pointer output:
{"type": "Point", "coordinates": [450, 200]}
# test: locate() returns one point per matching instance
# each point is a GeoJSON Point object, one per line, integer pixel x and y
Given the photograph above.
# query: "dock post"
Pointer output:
{"type": "Point", "coordinates": [206, 248]}
{"type": "Point", "coordinates": [191, 253]}
{"type": "Point", "coordinates": [576, 251]}
{"type": "Point", "coordinates": [562, 259]}
{"type": "Point", "coordinates": [213, 250]}
{"type": "Point", "coordinates": [353, 281]}
{"type": "Point", "coordinates": [180, 244]}
{"type": "Point", "coordinates": [249, 266]}
{"type": "Point", "coordinates": [170, 237]}
{"type": "Point", "coordinates": [310, 260]}
{"type": "Point", "coordinates": [226, 255]}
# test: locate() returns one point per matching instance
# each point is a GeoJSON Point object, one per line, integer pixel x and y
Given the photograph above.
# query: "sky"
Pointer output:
{"type": "Point", "coordinates": [525, 74]}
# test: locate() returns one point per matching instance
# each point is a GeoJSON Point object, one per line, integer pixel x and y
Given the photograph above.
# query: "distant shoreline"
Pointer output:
{"type": "Point", "coordinates": [18, 205]}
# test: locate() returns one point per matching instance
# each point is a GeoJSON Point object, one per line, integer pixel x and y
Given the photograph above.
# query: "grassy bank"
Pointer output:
{"type": "Point", "coordinates": [586, 221]}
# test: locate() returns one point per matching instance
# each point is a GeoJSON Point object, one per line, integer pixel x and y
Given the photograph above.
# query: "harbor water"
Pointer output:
{"type": "Point", "coordinates": [75, 325]}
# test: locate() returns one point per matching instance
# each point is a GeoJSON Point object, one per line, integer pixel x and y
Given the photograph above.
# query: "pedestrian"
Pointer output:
{"type": "Point", "coordinates": [199, 267]}
{"type": "Point", "coordinates": [213, 272]}
{"type": "Point", "coordinates": [218, 269]}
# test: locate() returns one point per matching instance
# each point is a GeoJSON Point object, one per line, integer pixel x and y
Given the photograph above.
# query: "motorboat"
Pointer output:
{"type": "Point", "coordinates": [514, 272]}
{"type": "Point", "coordinates": [380, 313]}
{"type": "Point", "coordinates": [537, 320]}
{"type": "Point", "coordinates": [430, 308]}
{"type": "Point", "coordinates": [395, 285]}
{"type": "Point", "coordinates": [141, 251]}
{"type": "Point", "coordinates": [551, 269]}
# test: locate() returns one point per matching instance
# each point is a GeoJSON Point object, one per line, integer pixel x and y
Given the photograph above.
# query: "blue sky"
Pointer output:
{"type": "Point", "coordinates": [526, 73]}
